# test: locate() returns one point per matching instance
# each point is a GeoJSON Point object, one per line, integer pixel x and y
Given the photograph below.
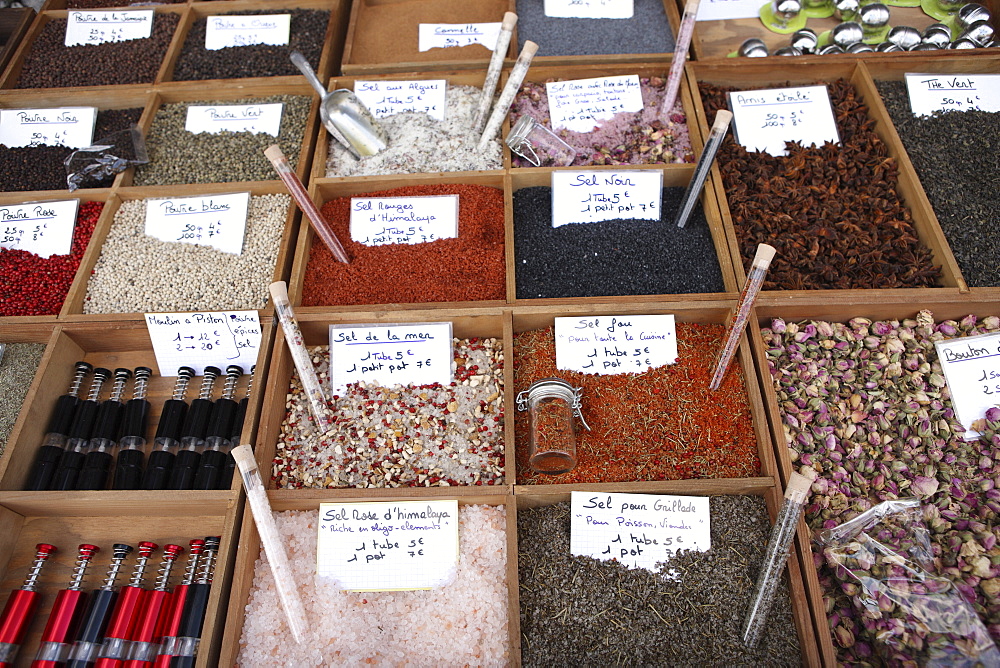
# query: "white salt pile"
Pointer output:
{"type": "Point", "coordinates": [461, 624]}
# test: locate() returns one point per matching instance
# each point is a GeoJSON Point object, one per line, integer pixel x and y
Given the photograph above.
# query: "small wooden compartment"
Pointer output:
{"type": "Point", "coordinates": [14, 23]}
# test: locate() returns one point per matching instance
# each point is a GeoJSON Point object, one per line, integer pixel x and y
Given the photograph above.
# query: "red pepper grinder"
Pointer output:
{"type": "Point", "coordinates": [21, 607]}
{"type": "Point", "coordinates": [53, 649]}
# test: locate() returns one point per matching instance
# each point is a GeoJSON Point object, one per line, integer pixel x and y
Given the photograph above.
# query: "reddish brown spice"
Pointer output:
{"type": "Point", "coordinates": [663, 424]}
{"type": "Point", "coordinates": [33, 285]}
{"type": "Point", "coordinates": [552, 436]}
{"type": "Point", "coordinates": [468, 268]}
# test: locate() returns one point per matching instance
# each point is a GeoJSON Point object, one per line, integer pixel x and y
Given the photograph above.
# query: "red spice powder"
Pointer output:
{"type": "Point", "coordinates": [33, 285]}
{"type": "Point", "coordinates": [467, 268]}
{"type": "Point", "coordinates": [664, 424]}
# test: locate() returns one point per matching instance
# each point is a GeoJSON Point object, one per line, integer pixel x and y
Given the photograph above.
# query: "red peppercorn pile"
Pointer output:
{"type": "Point", "coordinates": [33, 285]}
{"type": "Point", "coordinates": [663, 424]}
{"type": "Point", "coordinates": [469, 267]}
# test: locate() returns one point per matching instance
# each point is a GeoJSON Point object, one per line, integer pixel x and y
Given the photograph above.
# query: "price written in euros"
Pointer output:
{"type": "Point", "coordinates": [779, 120]}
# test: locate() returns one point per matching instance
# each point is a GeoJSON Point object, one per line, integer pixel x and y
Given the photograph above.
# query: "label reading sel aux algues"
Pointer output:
{"type": "Point", "coordinates": [971, 366]}
{"type": "Point", "coordinates": [452, 35]}
{"type": "Point", "coordinates": [593, 197]}
{"type": "Point", "coordinates": [229, 31]}
{"type": "Point", "coordinates": [589, 9]}
{"type": "Point", "coordinates": [72, 127]}
{"type": "Point", "coordinates": [393, 354]}
{"type": "Point", "coordinates": [611, 345]}
{"type": "Point", "coordinates": [385, 98]}
{"type": "Point", "coordinates": [218, 221]}
{"type": "Point", "coordinates": [98, 27]}
{"type": "Point", "coordinates": [953, 92]}
{"type": "Point", "coordinates": [763, 120]}
{"type": "Point", "coordinates": [580, 105]}
{"type": "Point", "coordinates": [205, 338]}
{"type": "Point", "coordinates": [257, 118]}
{"type": "Point", "coordinates": [42, 228]}
{"type": "Point", "coordinates": [380, 221]}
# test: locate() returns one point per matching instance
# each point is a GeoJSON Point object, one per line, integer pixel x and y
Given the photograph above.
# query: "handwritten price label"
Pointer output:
{"type": "Point", "coordinates": [763, 120]}
{"type": "Point", "coordinates": [590, 9]}
{"type": "Point", "coordinates": [98, 27]}
{"type": "Point", "coordinates": [67, 126]}
{"type": "Point", "coordinates": [953, 92]}
{"type": "Point", "coordinates": [207, 338]}
{"type": "Point", "coordinates": [580, 105]}
{"type": "Point", "coordinates": [718, 10]}
{"type": "Point", "coordinates": [259, 118]}
{"type": "Point", "coordinates": [229, 31]}
{"type": "Point", "coordinates": [611, 345]}
{"type": "Point", "coordinates": [418, 354]}
{"type": "Point", "coordinates": [218, 221]}
{"type": "Point", "coordinates": [451, 35]}
{"type": "Point", "coordinates": [42, 228]}
{"type": "Point", "coordinates": [379, 221]}
{"type": "Point", "coordinates": [593, 197]}
{"type": "Point", "coordinates": [385, 98]}
{"type": "Point", "coordinates": [971, 366]}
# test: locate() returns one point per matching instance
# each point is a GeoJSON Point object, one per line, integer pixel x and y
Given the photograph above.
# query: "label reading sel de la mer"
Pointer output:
{"type": "Point", "coordinates": [387, 355]}
{"type": "Point", "coordinates": [379, 221]}
{"type": "Point", "coordinates": [227, 31]}
{"type": "Point", "coordinates": [451, 35]}
{"type": "Point", "coordinates": [592, 197]}
{"type": "Point", "coordinates": [718, 10]}
{"type": "Point", "coordinates": [589, 9]}
{"type": "Point", "coordinates": [388, 546]}
{"type": "Point", "coordinates": [971, 366]}
{"type": "Point", "coordinates": [385, 98]}
{"type": "Point", "coordinates": [98, 27]}
{"type": "Point", "coordinates": [204, 338]}
{"type": "Point", "coordinates": [42, 228]}
{"type": "Point", "coordinates": [611, 345]}
{"type": "Point", "coordinates": [580, 105]}
{"type": "Point", "coordinates": [763, 120]}
{"type": "Point", "coordinates": [219, 221]}
{"type": "Point", "coordinates": [953, 92]}
{"type": "Point", "coordinates": [638, 530]}
{"type": "Point", "coordinates": [259, 118]}
{"type": "Point", "coordinates": [72, 127]}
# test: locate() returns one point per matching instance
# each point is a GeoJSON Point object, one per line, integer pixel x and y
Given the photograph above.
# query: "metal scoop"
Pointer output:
{"type": "Point", "coordinates": [344, 116]}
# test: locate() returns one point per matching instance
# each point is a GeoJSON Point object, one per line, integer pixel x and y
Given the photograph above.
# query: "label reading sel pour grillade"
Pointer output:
{"type": "Point", "coordinates": [259, 118]}
{"type": "Point", "coordinates": [589, 9]}
{"type": "Point", "coordinates": [953, 92]}
{"type": "Point", "coordinates": [580, 105]}
{"type": "Point", "coordinates": [42, 228]}
{"type": "Point", "coordinates": [638, 530]}
{"type": "Point", "coordinates": [451, 35]}
{"type": "Point", "coordinates": [380, 221]}
{"type": "Point", "coordinates": [72, 127]}
{"type": "Point", "coordinates": [763, 120]}
{"type": "Point", "coordinates": [206, 338]}
{"type": "Point", "coordinates": [385, 98]}
{"type": "Point", "coordinates": [593, 197]}
{"type": "Point", "coordinates": [98, 27]}
{"type": "Point", "coordinates": [612, 345]}
{"type": "Point", "coordinates": [229, 31]}
{"type": "Point", "coordinates": [218, 221]}
{"type": "Point", "coordinates": [388, 546]}
{"type": "Point", "coordinates": [971, 366]}
{"type": "Point", "coordinates": [387, 355]}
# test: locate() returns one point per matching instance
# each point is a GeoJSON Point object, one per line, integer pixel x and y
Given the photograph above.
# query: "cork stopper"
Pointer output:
{"type": "Point", "coordinates": [798, 488]}
{"type": "Point", "coordinates": [509, 21]}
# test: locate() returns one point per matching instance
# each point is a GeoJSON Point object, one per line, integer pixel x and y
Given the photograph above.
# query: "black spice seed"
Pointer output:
{"type": "Point", "coordinates": [957, 156]}
{"type": "Point", "coordinates": [577, 611]}
{"type": "Point", "coordinates": [613, 258]}
{"type": "Point", "coordinates": [307, 30]}
{"type": "Point", "coordinates": [648, 31]}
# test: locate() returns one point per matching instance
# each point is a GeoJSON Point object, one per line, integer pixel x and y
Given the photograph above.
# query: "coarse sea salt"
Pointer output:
{"type": "Point", "coordinates": [461, 624]}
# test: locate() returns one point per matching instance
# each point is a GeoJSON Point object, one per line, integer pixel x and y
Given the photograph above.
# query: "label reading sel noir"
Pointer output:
{"type": "Point", "coordinates": [98, 27]}
{"type": "Point", "coordinates": [380, 221]}
{"type": "Point", "coordinates": [258, 118]}
{"type": "Point", "coordinates": [953, 92]}
{"type": "Point", "coordinates": [451, 35]}
{"type": "Point", "coordinates": [72, 127]}
{"type": "Point", "coordinates": [229, 31]}
{"type": "Point", "coordinates": [42, 228]}
{"type": "Point", "coordinates": [611, 345]}
{"type": "Point", "coordinates": [593, 197]}
{"type": "Point", "coordinates": [763, 120]}
{"type": "Point", "coordinates": [204, 338]}
{"type": "Point", "coordinates": [385, 98]}
{"type": "Point", "coordinates": [210, 220]}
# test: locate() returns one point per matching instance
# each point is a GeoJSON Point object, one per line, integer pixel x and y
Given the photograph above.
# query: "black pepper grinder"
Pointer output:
{"type": "Point", "coordinates": [217, 443]}
{"type": "Point", "coordinates": [79, 435]}
{"type": "Point", "coordinates": [128, 472]}
{"type": "Point", "coordinates": [193, 433]}
{"type": "Point", "coordinates": [100, 448]}
{"type": "Point", "coordinates": [168, 433]}
{"type": "Point", "coordinates": [51, 451]}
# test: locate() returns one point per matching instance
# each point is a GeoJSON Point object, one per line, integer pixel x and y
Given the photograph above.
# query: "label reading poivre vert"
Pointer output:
{"type": "Point", "coordinates": [258, 118]}
{"type": "Point", "coordinates": [971, 366]}
{"type": "Point", "coordinates": [72, 127]}
{"type": "Point", "coordinates": [98, 27]}
{"type": "Point", "coordinates": [42, 228]}
{"type": "Point", "coordinates": [763, 120]}
{"type": "Point", "coordinates": [953, 92]}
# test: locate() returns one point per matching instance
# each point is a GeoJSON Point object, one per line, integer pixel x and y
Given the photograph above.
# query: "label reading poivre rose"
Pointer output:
{"type": "Point", "coordinates": [638, 530]}
{"type": "Point", "coordinates": [380, 221]}
{"type": "Point", "coordinates": [387, 355]}
{"type": "Point", "coordinates": [953, 92]}
{"type": "Point", "coordinates": [218, 221]}
{"type": "Point", "coordinates": [451, 35]}
{"type": "Point", "coordinates": [259, 118]}
{"type": "Point", "coordinates": [72, 127]}
{"type": "Point", "coordinates": [580, 105]}
{"type": "Point", "coordinates": [609, 345]}
{"type": "Point", "coordinates": [98, 27]}
{"type": "Point", "coordinates": [229, 31]}
{"type": "Point", "coordinates": [385, 98]}
{"type": "Point", "coordinates": [593, 197]}
{"type": "Point", "coordinates": [388, 546]}
{"type": "Point", "coordinates": [971, 366]}
{"type": "Point", "coordinates": [763, 120]}
{"type": "Point", "coordinates": [589, 9]}
{"type": "Point", "coordinates": [718, 10]}
{"type": "Point", "coordinates": [42, 228]}
{"type": "Point", "coordinates": [204, 338]}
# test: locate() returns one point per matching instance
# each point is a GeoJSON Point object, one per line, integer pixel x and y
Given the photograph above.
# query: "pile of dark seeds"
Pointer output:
{"type": "Point", "coordinates": [308, 27]}
{"type": "Point", "coordinates": [954, 154]}
{"type": "Point", "coordinates": [578, 611]}
{"type": "Point", "coordinates": [52, 64]}
{"type": "Point", "coordinates": [41, 167]}
{"type": "Point", "coordinates": [648, 31]}
{"type": "Point", "coordinates": [612, 258]}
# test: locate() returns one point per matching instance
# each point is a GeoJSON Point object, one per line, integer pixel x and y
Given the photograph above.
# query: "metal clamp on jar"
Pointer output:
{"type": "Point", "coordinates": [551, 404]}
{"type": "Point", "coordinates": [527, 135]}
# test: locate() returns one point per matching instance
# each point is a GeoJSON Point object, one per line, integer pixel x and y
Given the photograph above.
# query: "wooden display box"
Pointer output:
{"type": "Point", "coordinates": [333, 41]}
{"type": "Point", "coordinates": [750, 75]}
{"type": "Point", "coordinates": [382, 35]}
{"type": "Point", "coordinates": [14, 23]}
{"type": "Point", "coordinates": [466, 323]}
{"type": "Point", "coordinates": [104, 344]}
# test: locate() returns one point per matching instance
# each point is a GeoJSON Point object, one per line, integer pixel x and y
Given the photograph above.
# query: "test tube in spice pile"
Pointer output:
{"type": "Point", "coordinates": [517, 74]}
{"type": "Point", "coordinates": [493, 72]}
{"type": "Point", "coordinates": [680, 55]}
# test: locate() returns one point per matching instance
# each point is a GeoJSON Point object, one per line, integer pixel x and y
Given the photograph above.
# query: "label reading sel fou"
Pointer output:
{"type": "Point", "coordinates": [589, 9]}
{"type": "Point", "coordinates": [611, 345]}
{"type": "Point", "coordinates": [971, 366]}
{"type": "Point", "coordinates": [98, 27]}
{"type": "Point", "coordinates": [638, 530]}
{"type": "Point", "coordinates": [592, 197]}
{"type": "Point", "coordinates": [580, 105]}
{"type": "Point", "coordinates": [387, 355]}
{"type": "Point", "coordinates": [42, 228]}
{"type": "Point", "coordinates": [259, 118]}
{"type": "Point", "coordinates": [205, 338]}
{"type": "Point", "coordinates": [379, 221]}
{"type": "Point", "coordinates": [763, 120]}
{"type": "Point", "coordinates": [385, 98]}
{"type": "Point", "coordinates": [953, 92]}
{"type": "Point", "coordinates": [219, 221]}
{"type": "Point", "coordinates": [388, 546]}
{"type": "Point", "coordinates": [451, 35]}
{"type": "Point", "coordinates": [227, 31]}
{"type": "Point", "coordinates": [72, 127]}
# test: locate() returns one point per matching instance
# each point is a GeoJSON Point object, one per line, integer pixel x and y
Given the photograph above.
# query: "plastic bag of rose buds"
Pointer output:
{"type": "Point", "coordinates": [884, 562]}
